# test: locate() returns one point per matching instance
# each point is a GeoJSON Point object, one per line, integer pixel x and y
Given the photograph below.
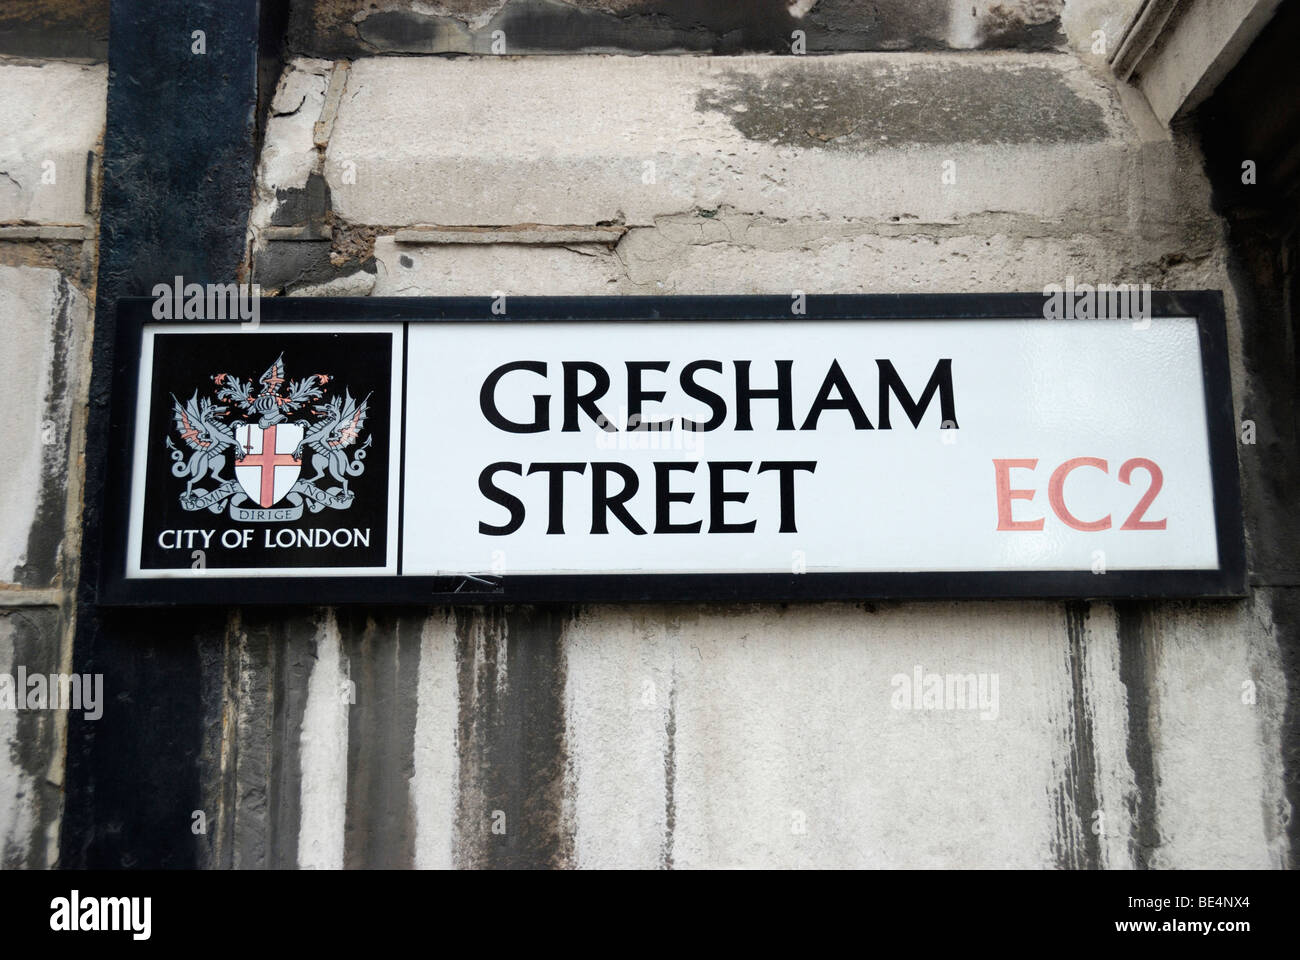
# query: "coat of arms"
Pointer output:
{"type": "Point", "coordinates": [269, 436]}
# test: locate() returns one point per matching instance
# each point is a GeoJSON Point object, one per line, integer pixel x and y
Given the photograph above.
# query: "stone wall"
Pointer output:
{"type": "Point", "coordinates": [51, 118]}
{"type": "Point", "coordinates": [993, 152]}
{"type": "Point", "coordinates": [353, 28]}
{"type": "Point", "coordinates": [698, 736]}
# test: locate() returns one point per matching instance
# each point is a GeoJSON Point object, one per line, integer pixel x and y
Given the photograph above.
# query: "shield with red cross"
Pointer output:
{"type": "Point", "coordinates": [269, 470]}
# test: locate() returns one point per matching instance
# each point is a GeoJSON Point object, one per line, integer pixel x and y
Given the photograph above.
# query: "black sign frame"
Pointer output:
{"type": "Point", "coordinates": [209, 588]}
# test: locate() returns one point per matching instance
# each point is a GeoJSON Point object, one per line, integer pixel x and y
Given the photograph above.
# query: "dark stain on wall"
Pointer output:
{"type": "Point", "coordinates": [1077, 801]}
{"type": "Point", "coordinates": [1136, 672]}
{"type": "Point", "coordinates": [838, 25]}
{"type": "Point", "coordinates": [1286, 621]}
{"type": "Point", "coordinates": [384, 653]}
{"type": "Point", "coordinates": [45, 540]}
{"type": "Point", "coordinates": [513, 756]}
{"type": "Point", "coordinates": [71, 29]}
{"type": "Point", "coordinates": [1009, 26]}
{"type": "Point", "coordinates": [324, 28]}
{"type": "Point", "coordinates": [72, 258]}
{"type": "Point", "coordinates": [249, 653]}
{"type": "Point", "coordinates": [35, 633]}
{"type": "Point", "coordinates": [287, 265]}
{"type": "Point", "coordinates": [863, 107]}
{"type": "Point", "coordinates": [721, 26]}
{"type": "Point", "coordinates": [295, 657]}
{"type": "Point", "coordinates": [307, 206]}
{"type": "Point", "coordinates": [324, 249]}
{"type": "Point", "coordinates": [254, 692]}
{"type": "Point", "coordinates": [333, 28]}
{"type": "Point", "coordinates": [670, 778]}
{"type": "Point", "coordinates": [352, 28]}
{"type": "Point", "coordinates": [216, 681]}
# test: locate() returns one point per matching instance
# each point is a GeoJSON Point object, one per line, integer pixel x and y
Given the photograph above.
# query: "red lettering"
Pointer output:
{"type": "Point", "coordinates": [1002, 469]}
{"type": "Point", "coordinates": [1135, 521]}
{"type": "Point", "coordinates": [1056, 493]}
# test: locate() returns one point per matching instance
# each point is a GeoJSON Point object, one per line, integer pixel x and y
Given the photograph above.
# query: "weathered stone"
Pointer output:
{"type": "Point", "coordinates": [305, 206]}
{"type": "Point", "coordinates": [31, 761]}
{"type": "Point", "coordinates": [1196, 49]}
{"type": "Point", "coordinates": [45, 323]}
{"type": "Point", "coordinates": [529, 233]}
{"type": "Point", "coordinates": [1093, 28]}
{"type": "Point", "coordinates": [350, 28]}
{"type": "Point", "coordinates": [67, 29]}
{"type": "Point", "coordinates": [51, 117]}
{"type": "Point", "coordinates": [480, 269]}
{"type": "Point", "coordinates": [289, 157]}
{"type": "Point", "coordinates": [931, 137]}
{"type": "Point", "coordinates": [286, 265]}
{"type": "Point", "coordinates": [357, 284]}
{"type": "Point", "coordinates": [42, 233]}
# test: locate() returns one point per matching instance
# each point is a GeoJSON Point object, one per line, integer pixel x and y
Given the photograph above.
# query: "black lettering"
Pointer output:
{"type": "Point", "coordinates": [487, 400]}
{"type": "Point", "coordinates": [719, 497]}
{"type": "Point", "coordinates": [717, 406]}
{"type": "Point", "coordinates": [940, 380]}
{"type": "Point", "coordinates": [602, 503]}
{"type": "Point", "coordinates": [848, 400]}
{"type": "Point", "coordinates": [636, 395]}
{"type": "Point", "coordinates": [494, 493]}
{"type": "Point", "coordinates": [786, 469]}
{"type": "Point", "coordinates": [782, 394]}
{"type": "Point", "coordinates": [556, 472]}
{"type": "Point", "coordinates": [586, 402]}
{"type": "Point", "coordinates": [665, 498]}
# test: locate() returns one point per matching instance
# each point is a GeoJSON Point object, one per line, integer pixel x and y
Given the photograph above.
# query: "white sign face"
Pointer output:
{"type": "Point", "coordinates": [806, 446]}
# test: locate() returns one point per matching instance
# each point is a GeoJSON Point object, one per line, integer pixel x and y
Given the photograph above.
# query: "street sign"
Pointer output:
{"type": "Point", "coordinates": [719, 448]}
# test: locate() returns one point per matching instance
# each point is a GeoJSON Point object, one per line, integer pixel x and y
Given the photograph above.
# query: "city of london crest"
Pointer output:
{"type": "Point", "coordinates": [270, 435]}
